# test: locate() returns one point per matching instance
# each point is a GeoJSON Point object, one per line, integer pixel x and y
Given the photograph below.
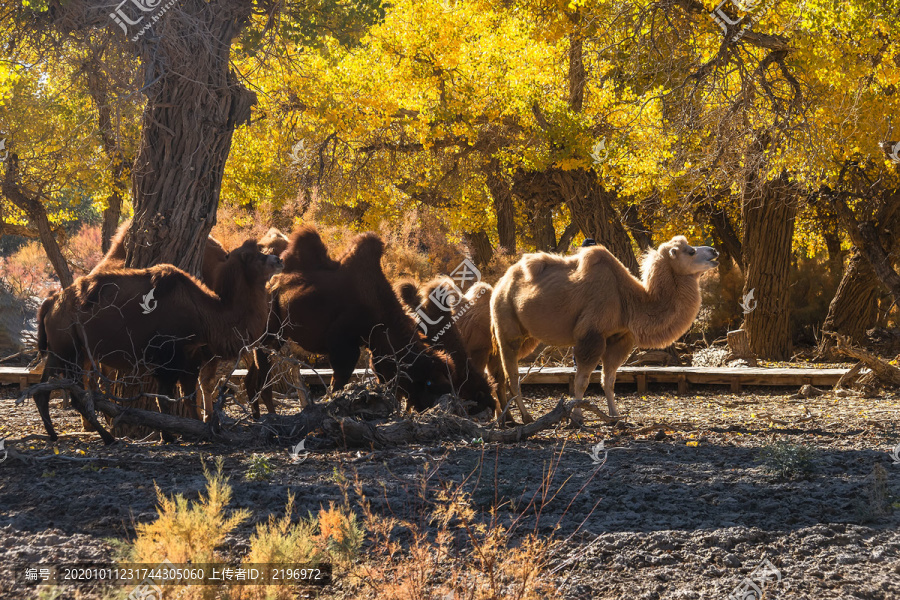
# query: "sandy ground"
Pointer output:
{"type": "Point", "coordinates": [683, 507]}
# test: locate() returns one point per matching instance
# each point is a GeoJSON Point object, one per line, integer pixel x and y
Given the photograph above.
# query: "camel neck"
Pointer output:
{"type": "Point", "coordinates": [670, 305]}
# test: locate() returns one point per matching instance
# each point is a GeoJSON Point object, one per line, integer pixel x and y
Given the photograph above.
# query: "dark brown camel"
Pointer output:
{"type": "Point", "coordinates": [160, 321]}
{"type": "Point", "coordinates": [442, 333]}
{"type": "Point", "coordinates": [334, 307]}
{"type": "Point", "coordinates": [213, 256]}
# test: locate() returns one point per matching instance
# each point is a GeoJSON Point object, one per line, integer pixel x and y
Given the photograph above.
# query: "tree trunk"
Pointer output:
{"type": "Point", "coordinates": [590, 205]}
{"type": "Point", "coordinates": [504, 207]}
{"type": "Point", "coordinates": [866, 238]}
{"type": "Point", "coordinates": [723, 231]}
{"type": "Point", "coordinates": [480, 243]}
{"type": "Point", "coordinates": [565, 240]}
{"type": "Point", "coordinates": [577, 74]}
{"type": "Point", "coordinates": [111, 215]}
{"type": "Point", "coordinates": [854, 307]}
{"type": "Point", "coordinates": [639, 232]}
{"type": "Point", "coordinates": [768, 214]}
{"type": "Point", "coordinates": [835, 254]}
{"type": "Point", "coordinates": [593, 212]}
{"type": "Point", "coordinates": [194, 104]}
{"type": "Point", "coordinates": [542, 231]}
{"type": "Point", "coordinates": [97, 87]}
{"type": "Point", "coordinates": [31, 205]}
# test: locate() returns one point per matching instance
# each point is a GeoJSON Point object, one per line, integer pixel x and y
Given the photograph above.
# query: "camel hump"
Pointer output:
{"type": "Point", "coordinates": [215, 248]}
{"type": "Point", "coordinates": [534, 265]}
{"type": "Point", "coordinates": [365, 251]}
{"type": "Point", "coordinates": [306, 251]}
{"type": "Point", "coordinates": [596, 255]}
{"type": "Point", "coordinates": [408, 292]}
{"type": "Point", "coordinates": [478, 290]}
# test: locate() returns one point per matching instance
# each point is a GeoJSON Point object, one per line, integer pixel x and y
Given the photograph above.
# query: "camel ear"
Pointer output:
{"type": "Point", "coordinates": [673, 252]}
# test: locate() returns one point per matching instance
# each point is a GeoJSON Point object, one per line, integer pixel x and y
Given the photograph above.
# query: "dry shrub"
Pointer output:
{"type": "Point", "coordinates": [234, 226]}
{"type": "Point", "coordinates": [84, 249]}
{"type": "Point", "coordinates": [813, 286]}
{"type": "Point", "coordinates": [27, 272]}
{"type": "Point", "coordinates": [452, 551]}
{"type": "Point", "coordinates": [189, 532]}
{"type": "Point", "coordinates": [419, 247]}
{"type": "Point", "coordinates": [334, 536]}
{"type": "Point", "coordinates": [497, 267]}
{"type": "Point", "coordinates": [461, 557]}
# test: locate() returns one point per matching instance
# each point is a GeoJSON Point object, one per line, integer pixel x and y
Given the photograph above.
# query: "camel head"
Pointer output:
{"type": "Point", "coordinates": [255, 266]}
{"type": "Point", "coordinates": [274, 242]}
{"type": "Point", "coordinates": [685, 259]}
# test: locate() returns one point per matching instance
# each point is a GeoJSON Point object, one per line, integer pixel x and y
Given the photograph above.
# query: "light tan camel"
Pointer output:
{"type": "Point", "coordinates": [473, 320]}
{"type": "Point", "coordinates": [592, 302]}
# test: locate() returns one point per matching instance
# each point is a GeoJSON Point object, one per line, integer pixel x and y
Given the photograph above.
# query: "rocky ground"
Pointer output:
{"type": "Point", "coordinates": [685, 505]}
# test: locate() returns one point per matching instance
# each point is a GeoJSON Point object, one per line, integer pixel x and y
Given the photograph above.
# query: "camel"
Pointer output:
{"type": "Point", "coordinates": [274, 242]}
{"type": "Point", "coordinates": [473, 320]}
{"type": "Point", "coordinates": [469, 380]}
{"type": "Point", "coordinates": [592, 302]}
{"type": "Point", "coordinates": [334, 307]}
{"type": "Point", "coordinates": [214, 256]}
{"type": "Point", "coordinates": [159, 320]}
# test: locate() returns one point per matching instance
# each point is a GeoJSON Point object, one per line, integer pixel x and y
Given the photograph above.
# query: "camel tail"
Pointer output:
{"type": "Point", "coordinates": [42, 329]}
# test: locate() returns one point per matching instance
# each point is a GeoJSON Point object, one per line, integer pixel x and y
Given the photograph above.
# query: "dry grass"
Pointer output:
{"type": "Point", "coordinates": [28, 273]}
{"type": "Point", "coordinates": [449, 551]}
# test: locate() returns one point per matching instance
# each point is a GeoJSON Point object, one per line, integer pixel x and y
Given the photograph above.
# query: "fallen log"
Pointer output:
{"type": "Point", "coordinates": [347, 431]}
{"type": "Point", "coordinates": [883, 370]}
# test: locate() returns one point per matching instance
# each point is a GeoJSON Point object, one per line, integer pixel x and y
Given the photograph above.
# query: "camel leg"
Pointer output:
{"type": "Point", "coordinates": [52, 367]}
{"type": "Point", "coordinates": [618, 349]}
{"type": "Point", "coordinates": [208, 382]}
{"type": "Point", "coordinates": [494, 369]}
{"type": "Point", "coordinates": [509, 356]}
{"type": "Point", "coordinates": [257, 383]}
{"type": "Point", "coordinates": [89, 381]}
{"type": "Point", "coordinates": [165, 386]}
{"type": "Point", "coordinates": [73, 371]}
{"type": "Point", "coordinates": [91, 418]}
{"type": "Point", "coordinates": [189, 392]}
{"type": "Point", "coordinates": [343, 359]}
{"type": "Point", "coordinates": [588, 349]}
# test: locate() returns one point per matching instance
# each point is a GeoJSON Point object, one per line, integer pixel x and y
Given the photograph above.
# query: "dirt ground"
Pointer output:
{"type": "Point", "coordinates": [683, 507]}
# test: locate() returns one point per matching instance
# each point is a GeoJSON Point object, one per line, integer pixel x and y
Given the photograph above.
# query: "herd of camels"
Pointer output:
{"type": "Point", "coordinates": [266, 291]}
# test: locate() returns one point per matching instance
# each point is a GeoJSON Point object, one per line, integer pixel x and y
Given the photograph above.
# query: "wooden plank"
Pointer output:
{"type": "Point", "coordinates": [734, 378]}
{"type": "Point", "coordinates": [20, 376]}
{"type": "Point", "coordinates": [641, 383]}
